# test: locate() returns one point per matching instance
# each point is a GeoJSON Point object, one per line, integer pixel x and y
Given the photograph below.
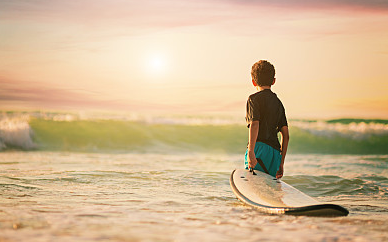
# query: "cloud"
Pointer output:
{"type": "Point", "coordinates": [76, 22]}
{"type": "Point", "coordinates": [35, 94]}
{"type": "Point", "coordinates": [161, 13]}
{"type": "Point", "coordinates": [25, 94]}
{"type": "Point", "coordinates": [370, 4]}
{"type": "Point", "coordinates": [102, 12]}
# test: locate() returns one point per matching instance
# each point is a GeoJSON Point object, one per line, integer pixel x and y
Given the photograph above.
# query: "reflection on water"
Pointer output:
{"type": "Point", "coordinates": [59, 196]}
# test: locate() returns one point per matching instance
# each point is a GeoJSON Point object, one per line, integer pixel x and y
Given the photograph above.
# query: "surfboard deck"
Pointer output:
{"type": "Point", "coordinates": [273, 196]}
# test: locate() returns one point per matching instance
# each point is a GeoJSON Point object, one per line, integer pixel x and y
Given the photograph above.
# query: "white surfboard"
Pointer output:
{"type": "Point", "coordinates": [273, 196]}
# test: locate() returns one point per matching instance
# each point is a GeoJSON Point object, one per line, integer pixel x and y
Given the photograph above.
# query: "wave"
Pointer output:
{"type": "Point", "coordinates": [356, 137]}
{"type": "Point", "coordinates": [69, 132]}
{"type": "Point", "coordinates": [316, 186]}
{"type": "Point", "coordinates": [354, 130]}
{"type": "Point", "coordinates": [15, 132]}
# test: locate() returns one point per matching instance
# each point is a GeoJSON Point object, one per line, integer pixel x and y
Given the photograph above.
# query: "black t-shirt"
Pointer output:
{"type": "Point", "coordinates": [265, 107]}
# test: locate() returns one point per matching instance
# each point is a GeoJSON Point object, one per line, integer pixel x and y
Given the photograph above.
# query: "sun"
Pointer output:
{"type": "Point", "coordinates": [157, 64]}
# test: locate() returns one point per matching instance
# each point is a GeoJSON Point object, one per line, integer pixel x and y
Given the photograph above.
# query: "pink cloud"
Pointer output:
{"type": "Point", "coordinates": [165, 13]}
{"type": "Point", "coordinates": [72, 23]}
{"type": "Point", "coordinates": [24, 94]}
{"type": "Point", "coordinates": [39, 95]}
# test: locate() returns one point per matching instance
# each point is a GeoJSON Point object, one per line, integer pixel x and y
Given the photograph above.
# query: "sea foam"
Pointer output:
{"type": "Point", "coordinates": [353, 130]}
{"type": "Point", "coordinates": [15, 131]}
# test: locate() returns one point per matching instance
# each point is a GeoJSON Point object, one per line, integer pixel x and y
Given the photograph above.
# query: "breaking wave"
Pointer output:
{"type": "Point", "coordinates": [15, 132]}
{"type": "Point", "coordinates": [69, 132]}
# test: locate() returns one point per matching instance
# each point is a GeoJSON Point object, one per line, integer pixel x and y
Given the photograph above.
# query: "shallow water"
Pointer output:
{"type": "Point", "coordinates": [65, 196]}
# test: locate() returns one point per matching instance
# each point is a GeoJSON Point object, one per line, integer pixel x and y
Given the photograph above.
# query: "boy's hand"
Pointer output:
{"type": "Point", "coordinates": [252, 162]}
{"type": "Point", "coordinates": [279, 174]}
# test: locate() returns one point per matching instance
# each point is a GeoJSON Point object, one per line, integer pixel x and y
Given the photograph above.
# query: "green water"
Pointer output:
{"type": "Point", "coordinates": [135, 136]}
{"type": "Point", "coordinates": [116, 135]}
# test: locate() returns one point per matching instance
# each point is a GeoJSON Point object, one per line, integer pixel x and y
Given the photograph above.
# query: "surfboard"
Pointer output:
{"type": "Point", "coordinates": [273, 196]}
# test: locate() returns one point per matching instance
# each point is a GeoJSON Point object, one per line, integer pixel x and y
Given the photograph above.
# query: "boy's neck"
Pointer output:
{"type": "Point", "coordinates": [261, 88]}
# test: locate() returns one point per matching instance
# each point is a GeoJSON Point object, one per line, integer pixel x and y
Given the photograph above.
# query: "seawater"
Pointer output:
{"type": "Point", "coordinates": [64, 180]}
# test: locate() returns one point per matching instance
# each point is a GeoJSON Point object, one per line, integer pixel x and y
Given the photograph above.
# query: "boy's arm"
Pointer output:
{"type": "Point", "coordinates": [253, 133]}
{"type": "Point", "coordinates": [285, 138]}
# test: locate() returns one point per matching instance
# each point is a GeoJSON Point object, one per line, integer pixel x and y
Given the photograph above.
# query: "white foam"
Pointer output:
{"type": "Point", "coordinates": [352, 130]}
{"type": "Point", "coordinates": [15, 131]}
{"type": "Point", "coordinates": [194, 120]}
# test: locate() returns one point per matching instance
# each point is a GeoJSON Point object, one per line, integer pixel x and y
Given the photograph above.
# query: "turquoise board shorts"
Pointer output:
{"type": "Point", "coordinates": [270, 157]}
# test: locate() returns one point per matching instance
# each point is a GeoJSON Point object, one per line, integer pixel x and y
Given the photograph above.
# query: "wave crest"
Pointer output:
{"type": "Point", "coordinates": [61, 131]}
{"type": "Point", "coordinates": [15, 132]}
{"type": "Point", "coordinates": [353, 130]}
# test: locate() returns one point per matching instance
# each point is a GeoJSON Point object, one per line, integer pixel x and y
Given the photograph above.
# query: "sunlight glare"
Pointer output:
{"type": "Point", "coordinates": [157, 64]}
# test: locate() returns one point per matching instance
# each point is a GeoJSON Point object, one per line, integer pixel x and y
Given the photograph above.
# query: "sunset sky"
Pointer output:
{"type": "Point", "coordinates": [194, 57]}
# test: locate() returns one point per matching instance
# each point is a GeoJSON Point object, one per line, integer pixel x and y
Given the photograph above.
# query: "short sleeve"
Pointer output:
{"type": "Point", "coordinates": [252, 113]}
{"type": "Point", "coordinates": [283, 119]}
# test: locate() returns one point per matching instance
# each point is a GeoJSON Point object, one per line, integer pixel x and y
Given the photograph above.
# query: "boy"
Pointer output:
{"type": "Point", "coordinates": [265, 118]}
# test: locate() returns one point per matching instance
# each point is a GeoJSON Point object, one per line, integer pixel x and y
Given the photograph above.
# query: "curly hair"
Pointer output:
{"type": "Point", "coordinates": [263, 73]}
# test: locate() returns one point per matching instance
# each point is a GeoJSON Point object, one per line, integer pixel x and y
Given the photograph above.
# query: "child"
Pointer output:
{"type": "Point", "coordinates": [265, 118]}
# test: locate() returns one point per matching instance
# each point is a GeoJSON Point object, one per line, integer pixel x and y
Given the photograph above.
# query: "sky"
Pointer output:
{"type": "Point", "coordinates": [194, 57]}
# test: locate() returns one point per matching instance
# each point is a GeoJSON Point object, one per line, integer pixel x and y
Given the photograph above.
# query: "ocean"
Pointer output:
{"type": "Point", "coordinates": [75, 177]}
